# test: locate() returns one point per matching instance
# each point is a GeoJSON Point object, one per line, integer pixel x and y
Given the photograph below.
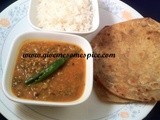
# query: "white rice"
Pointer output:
{"type": "Point", "coordinates": [65, 15]}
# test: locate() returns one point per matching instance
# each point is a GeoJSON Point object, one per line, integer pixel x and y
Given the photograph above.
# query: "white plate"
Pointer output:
{"type": "Point", "coordinates": [14, 21]}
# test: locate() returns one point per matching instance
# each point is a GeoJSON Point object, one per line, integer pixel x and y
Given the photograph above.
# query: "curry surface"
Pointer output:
{"type": "Point", "coordinates": [66, 84]}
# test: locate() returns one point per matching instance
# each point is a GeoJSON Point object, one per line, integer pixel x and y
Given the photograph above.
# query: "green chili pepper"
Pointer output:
{"type": "Point", "coordinates": [42, 75]}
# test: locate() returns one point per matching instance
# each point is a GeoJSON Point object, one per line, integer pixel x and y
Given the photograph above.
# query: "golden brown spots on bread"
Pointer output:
{"type": "Point", "coordinates": [136, 44]}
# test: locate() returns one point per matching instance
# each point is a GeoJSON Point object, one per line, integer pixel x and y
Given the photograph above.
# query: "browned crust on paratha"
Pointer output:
{"type": "Point", "coordinates": [135, 71]}
{"type": "Point", "coordinates": [106, 96]}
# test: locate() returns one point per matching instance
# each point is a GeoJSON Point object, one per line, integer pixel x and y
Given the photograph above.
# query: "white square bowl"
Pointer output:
{"type": "Point", "coordinates": [34, 23]}
{"type": "Point", "coordinates": [68, 38]}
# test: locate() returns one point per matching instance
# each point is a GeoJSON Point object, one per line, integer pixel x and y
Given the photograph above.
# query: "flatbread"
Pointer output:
{"type": "Point", "coordinates": [134, 73]}
{"type": "Point", "coordinates": [105, 96]}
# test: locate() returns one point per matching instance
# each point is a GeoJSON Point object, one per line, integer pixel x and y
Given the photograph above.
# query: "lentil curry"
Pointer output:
{"type": "Point", "coordinates": [66, 84]}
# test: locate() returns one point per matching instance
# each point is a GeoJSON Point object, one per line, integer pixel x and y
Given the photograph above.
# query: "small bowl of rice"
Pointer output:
{"type": "Point", "coordinates": [67, 16]}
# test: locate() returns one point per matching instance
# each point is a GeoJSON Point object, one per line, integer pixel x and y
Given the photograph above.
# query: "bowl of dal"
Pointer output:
{"type": "Point", "coordinates": [48, 69]}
